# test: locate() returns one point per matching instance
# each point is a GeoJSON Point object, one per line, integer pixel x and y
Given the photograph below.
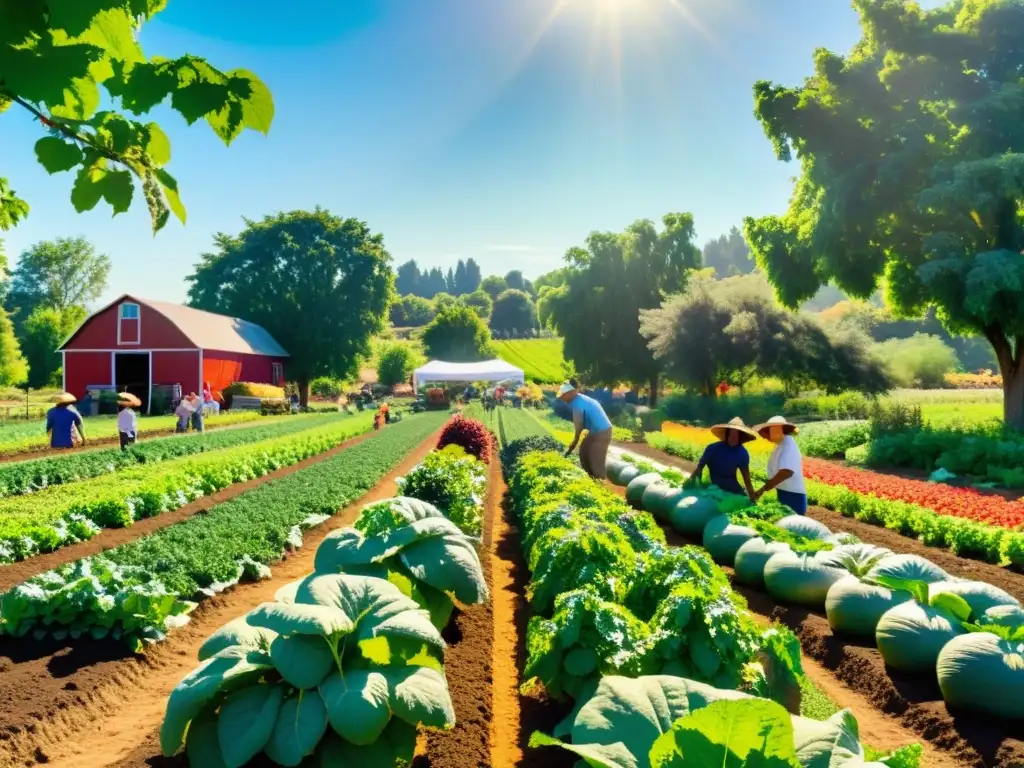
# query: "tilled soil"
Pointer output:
{"type": "Point", "coordinates": [92, 705]}
{"type": "Point", "coordinates": [15, 573]}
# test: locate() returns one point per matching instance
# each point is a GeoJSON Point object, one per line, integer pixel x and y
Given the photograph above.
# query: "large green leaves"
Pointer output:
{"type": "Point", "coordinates": [246, 722]}
{"type": "Point", "coordinates": [301, 724]}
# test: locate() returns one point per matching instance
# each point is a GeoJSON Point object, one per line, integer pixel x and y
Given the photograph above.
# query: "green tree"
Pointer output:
{"type": "Point", "coordinates": [481, 302]}
{"type": "Point", "coordinates": [395, 363]}
{"type": "Point", "coordinates": [443, 300]}
{"type": "Point", "coordinates": [43, 332]}
{"type": "Point", "coordinates": [60, 274]}
{"type": "Point", "coordinates": [408, 279]}
{"type": "Point", "coordinates": [411, 312]}
{"type": "Point", "coordinates": [319, 284]}
{"type": "Point", "coordinates": [471, 279]}
{"type": "Point", "coordinates": [13, 368]}
{"type": "Point", "coordinates": [513, 310]}
{"type": "Point", "coordinates": [921, 361]}
{"type": "Point", "coordinates": [55, 55]}
{"type": "Point", "coordinates": [492, 285]}
{"type": "Point", "coordinates": [457, 335]}
{"type": "Point", "coordinates": [912, 170]}
{"type": "Point", "coordinates": [607, 284]}
{"type": "Point", "coordinates": [728, 255]}
{"type": "Point", "coordinates": [734, 329]}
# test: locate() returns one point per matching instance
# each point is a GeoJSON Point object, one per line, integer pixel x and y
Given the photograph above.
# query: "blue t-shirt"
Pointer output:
{"type": "Point", "coordinates": [594, 417]}
{"type": "Point", "coordinates": [59, 422]}
{"type": "Point", "coordinates": [723, 462]}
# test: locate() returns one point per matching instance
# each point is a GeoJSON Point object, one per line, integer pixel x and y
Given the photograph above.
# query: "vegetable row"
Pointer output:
{"type": "Point", "coordinates": [642, 636]}
{"type": "Point", "coordinates": [63, 515]}
{"type": "Point", "coordinates": [344, 665]}
{"type": "Point", "coordinates": [138, 591]}
{"type": "Point", "coordinates": [967, 634]}
{"type": "Point", "coordinates": [35, 475]}
{"type": "Point", "coordinates": [968, 523]}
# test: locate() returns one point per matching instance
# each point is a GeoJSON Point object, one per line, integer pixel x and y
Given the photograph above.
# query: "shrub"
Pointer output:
{"type": "Point", "coordinates": [326, 387]}
{"type": "Point", "coordinates": [452, 481]}
{"type": "Point", "coordinates": [512, 452]}
{"type": "Point", "coordinates": [470, 435]}
{"type": "Point", "coordinates": [920, 361]}
{"type": "Point", "coordinates": [250, 389]}
{"type": "Point", "coordinates": [395, 363]}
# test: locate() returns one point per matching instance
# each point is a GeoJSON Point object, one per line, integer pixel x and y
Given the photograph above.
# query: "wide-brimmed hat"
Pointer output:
{"type": "Point", "coordinates": [776, 421]}
{"type": "Point", "coordinates": [127, 398]}
{"type": "Point", "coordinates": [65, 398]}
{"type": "Point", "coordinates": [745, 432]}
{"type": "Point", "coordinates": [565, 389]}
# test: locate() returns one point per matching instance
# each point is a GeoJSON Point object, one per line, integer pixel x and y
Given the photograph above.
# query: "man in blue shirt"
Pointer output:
{"type": "Point", "coordinates": [587, 414]}
{"type": "Point", "coordinates": [727, 457]}
{"type": "Point", "coordinates": [61, 422]}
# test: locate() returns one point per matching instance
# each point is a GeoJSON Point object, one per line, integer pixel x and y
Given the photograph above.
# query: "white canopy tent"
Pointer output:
{"type": "Point", "coordinates": [489, 370]}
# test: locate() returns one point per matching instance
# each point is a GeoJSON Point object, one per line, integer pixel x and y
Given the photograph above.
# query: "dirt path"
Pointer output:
{"type": "Point", "coordinates": [89, 707]}
{"type": "Point", "coordinates": [468, 664]}
{"type": "Point", "coordinates": [1004, 578]}
{"type": "Point", "coordinates": [15, 573]}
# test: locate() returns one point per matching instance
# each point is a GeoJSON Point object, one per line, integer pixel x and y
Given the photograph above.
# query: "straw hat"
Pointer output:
{"type": "Point", "coordinates": [776, 421]}
{"type": "Point", "coordinates": [65, 398]}
{"type": "Point", "coordinates": [746, 433]}
{"type": "Point", "coordinates": [127, 398]}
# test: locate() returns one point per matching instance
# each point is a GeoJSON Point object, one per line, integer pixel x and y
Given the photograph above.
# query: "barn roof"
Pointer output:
{"type": "Point", "coordinates": [208, 330]}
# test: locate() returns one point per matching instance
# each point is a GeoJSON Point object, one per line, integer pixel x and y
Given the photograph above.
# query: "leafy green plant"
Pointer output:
{"type": "Point", "coordinates": [349, 653]}
{"type": "Point", "coordinates": [454, 482]}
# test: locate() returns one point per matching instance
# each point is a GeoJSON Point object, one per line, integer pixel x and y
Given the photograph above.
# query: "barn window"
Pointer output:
{"type": "Point", "coordinates": [128, 329]}
{"type": "Point", "coordinates": [277, 374]}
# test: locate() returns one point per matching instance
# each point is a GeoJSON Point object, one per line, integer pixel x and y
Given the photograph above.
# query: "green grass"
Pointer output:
{"type": "Point", "coordinates": [540, 359]}
{"type": "Point", "coordinates": [814, 703]}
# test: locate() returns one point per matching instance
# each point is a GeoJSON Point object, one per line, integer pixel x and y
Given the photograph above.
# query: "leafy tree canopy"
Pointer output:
{"type": "Point", "coordinates": [492, 285]}
{"type": "Point", "coordinates": [319, 283]}
{"type": "Point", "coordinates": [734, 329]}
{"type": "Point", "coordinates": [59, 274]}
{"type": "Point", "coordinates": [43, 331]}
{"type": "Point", "coordinates": [514, 310]}
{"type": "Point", "coordinates": [13, 368]}
{"type": "Point", "coordinates": [480, 302]}
{"type": "Point", "coordinates": [912, 172]}
{"type": "Point", "coordinates": [55, 55]}
{"type": "Point", "coordinates": [597, 309]}
{"type": "Point", "coordinates": [728, 255]}
{"type": "Point", "coordinates": [395, 362]}
{"type": "Point", "coordinates": [411, 312]}
{"type": "Point", "coordinates": [457, 335]}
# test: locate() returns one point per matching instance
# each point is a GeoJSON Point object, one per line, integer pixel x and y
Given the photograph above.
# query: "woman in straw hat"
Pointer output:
{"type": "Point", "coordinates": [127, 419]}
{"type": "Point", "coordinates": [62, 420]}
{"type": "Point", "coordinates": [726, 457]}
{"type": "Point", "coordinates": [785, 465]}
{"type": "Point", "coordinates": [587, 414]}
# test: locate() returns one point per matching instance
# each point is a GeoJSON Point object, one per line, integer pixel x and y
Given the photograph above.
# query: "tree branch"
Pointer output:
{"type": "Point", "coordinates": [62, 129]}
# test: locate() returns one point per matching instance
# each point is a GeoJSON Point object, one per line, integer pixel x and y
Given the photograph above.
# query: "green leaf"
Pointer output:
{"type": "Point", "coordinates": [257, 103]}
{"type": "Point", "coordinates": [396, 746]}
{"type": "Point", "coordinates": [301, 724]}
{"type": "Point", "coordinates": [449, 563]}
{"type": "Point", "coordinates": [725, 733]}
{"type": "Point", "coordinates": [953, 604]}
{"type": "Point", "coordinates": [202, 746]}
{"type": "Point", "coordinates": [169, 185]}
{"type": "Point", "coordinates": [296, 619]}
{"type": "Point", "coordinates": [117, 188]}
{"type": "Point", "coordinates": [76, 16]}
{"type": "Point", "coordinates": [113, 32]}
{"type": "Point", "coordinates": [57, 155]}
{"type": "Point", "coordinates": [581, 662]}
{"type": "Point", "coordinates": [246, 721]}
{"type": "Point", "coordinates": [237, 633]}
{"type": "Point", "coordinates": [142, 86]}
{"type": "Point", "coordinates": [357, 704]}
{"type": "Point", "coordinates": [420, 696]}
{"type": "Point", "coordinates": [87, 192]}
{"type": "Point", "coordinates": [595, 755]}
{"type": "Point", "coordinates": [228, 669]}
{"type": "Point", "coordinates": [827, 743]}
{"type": "Point", "coordinates": [303, 660]}
{"type": "Point", "coordinates": [158, 146]}
{"type": "Point", "coordinates": [916, 587]}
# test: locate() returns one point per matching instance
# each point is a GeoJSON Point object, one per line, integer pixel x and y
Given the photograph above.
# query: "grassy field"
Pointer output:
{"type": "Point", "coordinates": [540, 359]}
{"type": "Point", "coordinates": [948, 407]}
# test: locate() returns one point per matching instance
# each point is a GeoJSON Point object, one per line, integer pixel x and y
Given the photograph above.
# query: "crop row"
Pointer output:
{"type": "Point", "coordinates": [33, 475]}
{"type": "Point", "coordinates": [31, 436]}
{"type": "Point", "coordinates": [621, 620]}
{"type": "Point", "coordinates": [346, 664]}
{"type": "Point", "coordinates": [64, 515]}
{"type": "Point", "coordinates": [966, 633]}
{"type": "Point", "coordinates": [139, 590]}
{"type": "Point", "coordinates": [968, 523]}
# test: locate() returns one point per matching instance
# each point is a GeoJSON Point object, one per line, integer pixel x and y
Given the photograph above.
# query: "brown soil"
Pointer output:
{"type": "Point", "coordinates": [1004, 578]}
{"type": "Point", "coordinates": [15, 573]}
{"type": "Point", "coordinates": [467, 664]}
{"type": "Point", "coordinates": [91, 705]}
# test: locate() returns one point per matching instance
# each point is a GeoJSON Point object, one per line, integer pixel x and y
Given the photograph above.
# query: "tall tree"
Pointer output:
{"type": "Point", "coordinates": [433, 283]}
{"type": "Point", "coordinates": [449, 282]}
{"type": "Point", "coordinates": [411, 312]}
{"type": "Point", "coordinates": [473, 277]}
{"type": "Point", "coordinates": [457, 335]}
{"type": "Point", "coordinates": [597, 310]}
{"type": "Point", "coordinates": [912, 169]}
{"type": "Point", "coordinates": [480, 302]}
{"type": "Point", "coordinates": [515, 281]}
{"type": "Point", "coordinates": [60, 274]}
{"type": "Point", "coordinates": [13, 368]}
{"type": "Point", "coordinates": [729, 255]}
{"type": "Point", "coordinates": [319, 284]}
{"type": "Point", "coordinates": [53, 58]}
{"type": "Point", "coordinates": [458, 286]}
{"type": "Point", "coordinates": [408, 280]}
{"type": "Point", "coordinates": [513, 311]}
{"type": "Point", "coordinates": [43, 331]}
{"type": "Point", "coordinates": [492, 285]}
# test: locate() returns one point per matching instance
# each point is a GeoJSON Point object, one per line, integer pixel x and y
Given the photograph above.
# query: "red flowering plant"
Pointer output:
{"type": "Point", "coordinates": [472, 436]}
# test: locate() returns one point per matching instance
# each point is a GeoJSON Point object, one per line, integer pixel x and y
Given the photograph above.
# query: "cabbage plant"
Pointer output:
{"type": "Point", "coordinates": [343, 665]}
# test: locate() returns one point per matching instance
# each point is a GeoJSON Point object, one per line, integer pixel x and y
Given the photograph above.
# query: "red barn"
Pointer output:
{"type": "Point", "coordinates": [138, 344]}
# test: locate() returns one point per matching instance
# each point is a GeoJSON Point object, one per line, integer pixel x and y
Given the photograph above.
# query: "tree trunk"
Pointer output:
{"type": "Point", "coordinates": [303, 385]}
{"type": "Point", "coordinates": [652, 401]}
{"type": "Point", "coordinates": [1013, 395]}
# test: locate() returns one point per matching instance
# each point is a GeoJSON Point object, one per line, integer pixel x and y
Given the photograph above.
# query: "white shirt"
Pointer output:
{"type": "Point", "coordinates": [787, 456]}
{"type": "Point", "coordinates": [127, 421]}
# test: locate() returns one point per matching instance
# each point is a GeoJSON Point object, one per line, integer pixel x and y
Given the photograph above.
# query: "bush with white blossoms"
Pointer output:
{"type": "Point", "coordinates": [454, 482]}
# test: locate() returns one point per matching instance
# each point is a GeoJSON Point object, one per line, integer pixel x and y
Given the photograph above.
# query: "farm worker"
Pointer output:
{"type": "Point", "coordinates": [726, 457]}
{"type": "Point", "coordinates": [785, 465]}
{"type": "Point", "coordinates": [184, 414]}
{"type": "Point", "coordinates": [209, 404]}
{"type": "Point", "coordinates": [127, 419]}
{"type": "Point", "coordinates": [62, 420]}
{"type": "Point", "coordinates": [587, 414]}
{"type": "Point", "coordinates": [197, 412]}
{"type": "Point", "coordinates": [386, 410]}
{"type": "Point", "coordinates": [378, 419]}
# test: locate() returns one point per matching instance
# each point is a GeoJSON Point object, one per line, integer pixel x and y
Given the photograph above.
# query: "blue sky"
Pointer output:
{"type": "Point", "coordinates": [492, 129]}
